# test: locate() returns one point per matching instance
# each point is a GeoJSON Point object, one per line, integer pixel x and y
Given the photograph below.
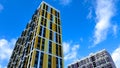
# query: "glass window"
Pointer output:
{"type": "Point", "coordinates": [36, 59]}
{"type": "Point", "coordinates": [57, 49]}
{"type": "Point", "coordinates": [49, 61]}
{"type": "Point", "coordinates": [50, 35]}
{"type": "Point", "coordinates": [40, 32]}
{"type": "Point", "coordinates": [41, 60]}
{"type": "Point", "coordinates": [43, 44]}
{"type": "Point", "coordinates": [51, 17]}
{"type": "Point", "coordinates": [44, 32]}
{"type": "Point", "coordinates": [61, 63]}
{"type": "Point", "coordinates": [38, 45]}
{"type": "Point", "coordinates": [50, 47]}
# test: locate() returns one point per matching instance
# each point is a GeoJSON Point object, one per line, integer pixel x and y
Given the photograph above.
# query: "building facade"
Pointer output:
{"type": "Point", "coordinates": [101, 59]}
{"type": "Point", "coordinates": [40, 44]}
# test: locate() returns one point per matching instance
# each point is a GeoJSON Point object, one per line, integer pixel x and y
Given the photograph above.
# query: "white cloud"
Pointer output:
{"type": "Point", "coordinates": [105, 10]}
{"type": "Point", "coordinates": [6, 48]}
{"type": "Point", "coordinates": [115, 27]}
{"type": "Point", "coordinates": [66, 47]}
{"type": "Point", "coordinates": [70, 51]}
{"type": "Point", "coordinates": [116, 57]}
{"type": "Point", "coordinates": [1, 7]}
{"type": "Point", "coordinates": [65, 2]}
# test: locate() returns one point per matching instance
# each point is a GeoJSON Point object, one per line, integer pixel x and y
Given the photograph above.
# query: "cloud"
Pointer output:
{"type": "Point", "coordinates": [65, 2]}
{"type": "Point", "coordinates": [115, 27]}
{"type": "Point", "coordinates": [105, 10]}
{"type": "Point", "coordinates": [1, 7]}
{"type": "Point", "coordinates": [116, 57]}
{"type": "Point", "coordinates": [70, 51]}
{"type": "Point", "coordinates": [6, 48]}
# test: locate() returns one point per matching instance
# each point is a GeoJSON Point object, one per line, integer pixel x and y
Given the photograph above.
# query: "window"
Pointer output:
{"type": "Point", "coordinates": [57, 49]}
{"type": "Point", "coordinates": [43, 12]}
{"type": "Point", "coordinates": [43, 44]}
{"type": "Point", "coordinates": [40, 32]}
{"type": "Point", "coordinates": [43, 6]}
{"type": "Point", "coordinates": [38, 45]}
{"type": "Point", "coordinates": [56, 20]}
{"type": "Point", "coordinates": [61, 63]}
{"type": "Point", "coordinates": [46, 8]}
{"type": "Point", "coordinates": [58, 15]}
{"type": "Point", "coordinates": [107, 59]}
{"type": "Point", "coordinates": [54, 36]}
{"type": "Point", "coordinates": [51, 10]}
{"type": "Point", "coordinates": [51, 25]}
{"type": "Point", "coordinates": [46, 14]}
{"type": "Point", "coordinates": [59, 39]}
{"type": "Point", "coordinates": [57, 65]}
{"type": "Point", "coordinates": [36, 59]}
{"type": "Point", "coordinates": [92, 58]}
{"type": "Point", "coordinates": [51, 17]}
{"type": "Point", "coordinates": [50, 35]}
{"type": "Point", "coordinates": [94, 64]}
{"type": "Point", "coordinates": [60, 51]}
{"type": "Point", "coordinates": [49, 61]}
{"type": "Point", "coordinates": [44, 32]}
{"type": "Point", "coordinates": [41, 60]}
{"type": "Point", "coordinates": [45, 22]}
{"type": "Point", "coordinates": [50, 47]}
{"type": "Point", "coordinates": [58, 29]}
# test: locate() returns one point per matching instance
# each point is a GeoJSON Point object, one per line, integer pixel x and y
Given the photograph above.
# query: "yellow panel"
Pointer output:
{"type": "Point", "coordinates": [47, 33]}
{"type": "Point", "coordinates": [53, 26]}
{"type": "Point", "coordinates": [36, 42]}
{"type": "Point", "coordinates": [40, 12]}
{"type": "Point", "coordinates": [53, 62]}
{"type": "Point", "coordinates": [33, 58]}
{"type": "Point", "coordinates": [41, 44]}
{"type": "Point", "coordinates": [53, 49]}
{"type": "Point", "coordinates": [45, 61]}
{"type": "Point", "coordinates": [46, 45]}
{"type": "Point", "coordinates": [53, 12]}
{"type": "Point", "coordinates": [48, 16]}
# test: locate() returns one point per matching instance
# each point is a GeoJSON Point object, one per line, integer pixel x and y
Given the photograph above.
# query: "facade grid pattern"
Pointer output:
{"type": "Point", "coordinates": [40, 44]}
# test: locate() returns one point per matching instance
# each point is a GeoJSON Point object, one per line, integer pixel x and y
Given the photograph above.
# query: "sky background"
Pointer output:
{"type": "Point", "coordinates": [88, 26]}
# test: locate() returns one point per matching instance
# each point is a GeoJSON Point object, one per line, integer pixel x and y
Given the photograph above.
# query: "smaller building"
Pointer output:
{"type": "Point", "coordinates": [101, 59]}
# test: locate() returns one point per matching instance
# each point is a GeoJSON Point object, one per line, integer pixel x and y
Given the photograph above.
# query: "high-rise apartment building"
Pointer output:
{"type": "Point", "coordinates": [40, 44]}
{"type": "Point", "coordinates": [101, 59]}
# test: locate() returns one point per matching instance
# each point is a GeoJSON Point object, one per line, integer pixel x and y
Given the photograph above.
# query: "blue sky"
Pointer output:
{"type": "Point", "coordinates": [87, 26]}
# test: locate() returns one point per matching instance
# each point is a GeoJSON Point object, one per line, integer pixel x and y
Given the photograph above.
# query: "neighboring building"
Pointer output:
{"type": "Point", "coordinates": [101, 59]}
{"type": "Point", "coordinates": [40, 44]}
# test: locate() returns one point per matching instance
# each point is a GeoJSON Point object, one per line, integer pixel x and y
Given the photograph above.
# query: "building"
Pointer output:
{"type": "Point", "coordinates": [40, 44]}
{"type": "Point", "coordinates": [101, 59]}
